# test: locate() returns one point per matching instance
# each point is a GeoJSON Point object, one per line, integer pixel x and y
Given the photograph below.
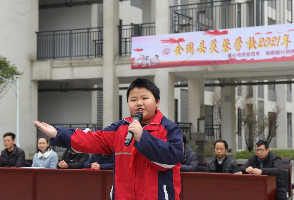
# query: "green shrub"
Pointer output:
{"type": "Point", "coordinates": [281, 153]}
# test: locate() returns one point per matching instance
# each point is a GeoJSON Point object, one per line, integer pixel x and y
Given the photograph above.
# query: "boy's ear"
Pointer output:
{"type": "Point", "coordinates": [157, 103]}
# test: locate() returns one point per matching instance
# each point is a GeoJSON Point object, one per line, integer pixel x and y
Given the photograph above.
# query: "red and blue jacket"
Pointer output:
{"type": "Point", "coordinates": [145, 170]}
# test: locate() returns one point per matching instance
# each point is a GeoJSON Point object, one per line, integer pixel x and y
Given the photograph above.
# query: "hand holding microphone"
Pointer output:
{"type": "Point", "coordinates": [136, 120]}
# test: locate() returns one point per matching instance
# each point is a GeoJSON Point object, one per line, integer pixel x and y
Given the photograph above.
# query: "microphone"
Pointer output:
{"type": "Point", "coordinates": [138, 117]}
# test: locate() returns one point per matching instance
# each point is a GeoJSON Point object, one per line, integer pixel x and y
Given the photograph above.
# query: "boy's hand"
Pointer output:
{"type": "Point", "coordinates": [46, 128]}
{"type": "Point", "coordinates": [136, 128]}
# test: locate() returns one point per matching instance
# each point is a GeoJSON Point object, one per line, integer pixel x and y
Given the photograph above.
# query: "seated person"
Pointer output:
{"type": "Point", "coordinates": [11, 156]}
{"type": "Point", "coordinates": [99, 162]}
{"type": "Point", "coordinates": [45, 157]}
{"type": "Point", "coordinates": [72, 160]}
{"type": "Point", "coordinates": [221, 163]}
{"type": "Point", "coordinates": [189, 162]}
{"type": "Point", "coordinates": [264, 162]}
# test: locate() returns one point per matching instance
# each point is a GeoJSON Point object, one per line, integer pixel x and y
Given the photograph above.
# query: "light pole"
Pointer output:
{"type": "Point", "coordinates": [17, 105]}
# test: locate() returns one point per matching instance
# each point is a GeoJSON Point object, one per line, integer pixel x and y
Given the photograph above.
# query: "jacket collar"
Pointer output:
{"type": "Point", "coordinates": [45, 155]}
{"type": "Point", "coordinates": [13, 151]}
{"type": "Point", "coordinates": [156, 119]}
{"type": "Point", "coordinates": [264, 160]}
{"type": "Point", "coordinates": [215, 159]}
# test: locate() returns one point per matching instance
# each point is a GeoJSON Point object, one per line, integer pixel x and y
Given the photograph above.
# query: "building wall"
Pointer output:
{"type": "Point", "coordinates": [19, 24]}
{"type": "Point", "coordinates": [129, 14]}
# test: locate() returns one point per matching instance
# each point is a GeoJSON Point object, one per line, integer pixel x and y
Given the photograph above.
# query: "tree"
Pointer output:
{"type": "Point", "coordinates": [273, 124]}
{"type": "Point", "coordinates": [250, 125]}
{"type": "Point", "coordinates": [8, 75]}
{"type": "Point", "coordinates": [216, 103]}
{"type": "Point", "coordinates": [254, 122]}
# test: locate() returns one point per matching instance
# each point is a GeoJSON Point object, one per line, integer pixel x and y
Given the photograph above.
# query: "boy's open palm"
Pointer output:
{"type": "Point", "coordinates": [46, 128]}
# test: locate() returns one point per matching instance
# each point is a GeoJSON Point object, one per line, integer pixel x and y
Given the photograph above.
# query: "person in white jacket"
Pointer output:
{"type": "Point", "coordinates": [45, 157]}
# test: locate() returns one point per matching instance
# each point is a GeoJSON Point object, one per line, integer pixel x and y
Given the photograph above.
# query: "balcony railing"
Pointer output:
{"type": "Point", "coordinates": [126, 32]}
{"type": "Point", "coordinates": [86, 42]}
{"type": "Point", "coordinates": [229, 14]}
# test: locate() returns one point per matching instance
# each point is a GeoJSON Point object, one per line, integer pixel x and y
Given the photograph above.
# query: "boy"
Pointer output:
{"type": "Point", "coordinates": [149, 168]}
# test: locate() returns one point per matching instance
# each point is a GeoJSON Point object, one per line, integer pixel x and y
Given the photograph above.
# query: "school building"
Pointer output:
{"type": "Point", "coordinates": [76, 59]}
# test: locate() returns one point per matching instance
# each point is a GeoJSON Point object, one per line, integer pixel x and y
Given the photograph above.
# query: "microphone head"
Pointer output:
{"type": "Point", "coordinates": [138, 116]}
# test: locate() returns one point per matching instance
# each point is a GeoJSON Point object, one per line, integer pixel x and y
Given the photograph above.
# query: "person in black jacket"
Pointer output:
{"type": "Point", "coordinates": [190, 162]}
{"type": "Point", "coordinates": [221, 163]}
{"type": "Point", "coordinates": [11, 156]}
{"type": "Point", "coordinates": [99, 162]}
{"type": "Point", "coordinates": [72, 160]}
{"type": "Point", "coordinates": [265, 162]}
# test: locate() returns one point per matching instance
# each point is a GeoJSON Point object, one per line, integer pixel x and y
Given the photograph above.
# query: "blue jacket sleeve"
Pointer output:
{"type": "Point", "coordinates": [97, 142]}
{"type": "Point", "coordinates": [106, 166]}
{"type": "Point", "coordinates": [88, 163]}
{"type": "Point", "coordinates": [62, 138]}
{"type": "Point", "coordinates": [164, 155]}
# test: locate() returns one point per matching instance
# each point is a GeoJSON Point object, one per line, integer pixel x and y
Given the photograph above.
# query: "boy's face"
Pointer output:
{"type": "Point", "coordinates": [142, 100]}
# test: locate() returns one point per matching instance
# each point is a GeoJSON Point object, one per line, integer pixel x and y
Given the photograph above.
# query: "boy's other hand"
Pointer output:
{"type": "Point", "coordinates": [136, 128]}
{"type": "Point", "coordinates": [46, 128]}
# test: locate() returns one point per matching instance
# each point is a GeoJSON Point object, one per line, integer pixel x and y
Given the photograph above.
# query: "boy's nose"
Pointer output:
{"type": "Point", "coordinates": [139, 102]}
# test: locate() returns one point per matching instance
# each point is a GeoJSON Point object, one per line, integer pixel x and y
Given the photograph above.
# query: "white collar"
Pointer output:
{"type": "Point", "coordinates": [45, 155]}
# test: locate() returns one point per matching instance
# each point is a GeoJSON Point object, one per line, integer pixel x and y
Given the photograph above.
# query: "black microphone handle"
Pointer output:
{"type": "Point", "coordinates": [138, 117]}
{"type": "Point", "coordinates": [129, 138]}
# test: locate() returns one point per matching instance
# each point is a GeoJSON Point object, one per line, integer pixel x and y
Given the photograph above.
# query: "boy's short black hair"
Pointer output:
{"type": "Point", "coordinates": [262, 142]}
{"type": "Point", "coordinates": [222, 141]}
{"type": "Point", "coordinates": [144, 83]}
{"type": "Point", "coordinates": [184, 140]}
{"type": "Point", "coordinates": [9, 134]}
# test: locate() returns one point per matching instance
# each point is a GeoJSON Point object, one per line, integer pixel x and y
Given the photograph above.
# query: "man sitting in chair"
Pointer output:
{"type": "Point", "coordinates": [264, 162]}
{"type": "Point", "coordinates": [189, 162]}
{"type": "Point", "coordinates": [221, 163]}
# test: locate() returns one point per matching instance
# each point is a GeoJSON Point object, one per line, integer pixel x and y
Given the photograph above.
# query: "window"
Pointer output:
{"type": "Point", "coordinates": [239, 122]}
{"type": "Point", "coordinates": [271, 21]}
{"type": "Point", "coordinates": [261, 90]}
{"type": "Point", "coordinates": [272, 4]}
{"type": "Point", "coordinates": [289, 5]}
{"type": "Point", "coordinates": [250, 90]}
{"type": "Point", "coordinates": [272, 87]}
{"type": "Point", "coordinates": [176, 111]}
{"type": "Point", "coordinates": [289, 86]}
{"type": "Point", "coordinates": [289, 124]}
{"type": "Point", "coordinates": [120, 106]}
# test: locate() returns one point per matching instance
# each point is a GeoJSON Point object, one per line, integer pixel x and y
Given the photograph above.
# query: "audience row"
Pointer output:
{"type": "Point", "coordinates": [263, 162]}
{"type": "Point", "coordinates": [13, 156]}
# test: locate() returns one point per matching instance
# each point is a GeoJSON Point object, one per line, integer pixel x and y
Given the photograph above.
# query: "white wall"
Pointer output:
{"type": "Point", "coordinates": [68, 107]}
{"type": "Point", "coordinates": [65, 18]}
{"type": "Point", "coordinates": [18, 39]}
{"type": "Point", "coordinates": [129, 14]}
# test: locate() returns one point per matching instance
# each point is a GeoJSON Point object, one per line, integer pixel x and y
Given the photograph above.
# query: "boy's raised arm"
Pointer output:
{"type": "Point", "coordinates": [86, 141]}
